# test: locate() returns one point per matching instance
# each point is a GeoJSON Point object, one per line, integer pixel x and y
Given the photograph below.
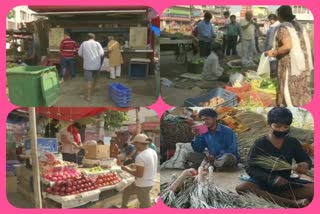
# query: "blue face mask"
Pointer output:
{"type": "Point", "coordinates": [279, 134]}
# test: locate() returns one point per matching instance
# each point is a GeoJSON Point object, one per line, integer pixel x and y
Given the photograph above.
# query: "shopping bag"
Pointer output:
{"type": "Point", "coordinates": [264, 65]}
{"type": "Point", "coordinates": [105, 65]}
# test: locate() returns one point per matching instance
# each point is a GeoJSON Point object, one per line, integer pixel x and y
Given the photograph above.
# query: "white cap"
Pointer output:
{"type": "Point", "coordinates": [141, 138]}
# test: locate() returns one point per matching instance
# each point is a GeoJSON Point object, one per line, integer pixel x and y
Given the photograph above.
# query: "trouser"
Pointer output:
{"type": "Point", "coordinates": [115, 71]}
{"type": "Point", "coordinates": [256, 41]}
{"type": "Point", "coordinates": [69, 157]}
{"type": "Point", "coordinates": [143, 194]}
{"type": "Point", "coordinates": [226, 160]}
{"type": "Point", "coordinates": [232, 45]}
{"type": "Point", "coordinates": [205, 48]}
{"type": "Point", "coordinates": [247, 52]}
{"type": "Point", "coordinates": [224, 43]}
{"type": "Point", "coordinates": [64, 62]}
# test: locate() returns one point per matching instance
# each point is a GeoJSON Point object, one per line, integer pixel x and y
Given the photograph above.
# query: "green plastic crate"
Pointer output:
{"type": "Point", "coordinates": [33, 85]}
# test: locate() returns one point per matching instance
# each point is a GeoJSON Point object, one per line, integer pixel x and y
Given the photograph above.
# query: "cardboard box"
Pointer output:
{"type": "Point", "coordinates": [12, 184]}
{"type": "Point", "coordinates": [97, 151]}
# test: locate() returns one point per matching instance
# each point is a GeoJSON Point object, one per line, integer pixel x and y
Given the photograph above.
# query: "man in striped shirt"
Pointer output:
{"type": "Point", "coordinates": [68, 50]}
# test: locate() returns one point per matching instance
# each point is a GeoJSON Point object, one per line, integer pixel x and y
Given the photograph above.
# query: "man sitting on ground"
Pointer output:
{"type": "Point", "coordinates": [220, 140]}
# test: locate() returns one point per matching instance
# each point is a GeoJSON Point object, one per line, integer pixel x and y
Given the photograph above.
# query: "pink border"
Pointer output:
{"type": "Point", "coordinates": [313, 5]}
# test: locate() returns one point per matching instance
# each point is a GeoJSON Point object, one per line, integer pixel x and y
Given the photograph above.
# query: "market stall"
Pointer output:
{"type": "Point", "coordinates": [129, 25]}
{"type": "Point", "coordinates": [48, 181]}
{"type": "Point", "coordinates": [17, 45]}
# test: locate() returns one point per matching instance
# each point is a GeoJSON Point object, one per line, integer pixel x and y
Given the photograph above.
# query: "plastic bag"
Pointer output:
{"type": "Point", "coordinates": [264, 65]}
{"type": "Point", "coordinates": [236, 78]}
{"type": "Point", "coordinates": [105, 65]}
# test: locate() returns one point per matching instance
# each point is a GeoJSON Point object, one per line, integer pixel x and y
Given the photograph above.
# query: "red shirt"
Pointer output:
{"type": "Point", "coordinates": [68, 48]}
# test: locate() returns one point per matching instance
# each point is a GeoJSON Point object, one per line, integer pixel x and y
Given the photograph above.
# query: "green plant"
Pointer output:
{"type": "Point", "coordinates": [114, 119]}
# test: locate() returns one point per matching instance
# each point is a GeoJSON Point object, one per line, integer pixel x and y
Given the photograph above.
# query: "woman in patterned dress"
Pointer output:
{"type": "Point", "coordinates": [292, 49]}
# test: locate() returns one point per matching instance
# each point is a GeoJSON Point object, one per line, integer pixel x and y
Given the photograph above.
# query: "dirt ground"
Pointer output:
{"type": "Point", "coordinates": [187, 88]}
{"type": "Point", "coordinates": [143, 91]}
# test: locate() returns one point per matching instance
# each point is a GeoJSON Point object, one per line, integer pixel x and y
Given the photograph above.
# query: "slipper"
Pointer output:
{"type": "Point", "coordinates": [302, 202]}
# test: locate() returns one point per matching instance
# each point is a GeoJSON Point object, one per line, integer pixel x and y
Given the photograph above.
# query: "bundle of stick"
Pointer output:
{"type": "Point", "coordinates": [189, 191]}
{"type": "Point", "coordinates": [275, 164]}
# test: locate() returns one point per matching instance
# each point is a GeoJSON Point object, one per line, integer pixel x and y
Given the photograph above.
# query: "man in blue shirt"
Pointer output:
{"type": "Point", "coordinates": [205, 35]}
{"type": "Point", "coordinates": [220, 140]}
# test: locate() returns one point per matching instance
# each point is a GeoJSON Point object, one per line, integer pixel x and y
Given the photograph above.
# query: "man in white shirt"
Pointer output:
{"type": "Point", "coordinates": [211, 69]}
{"type": "Point", "coordinates": [227, 21]}
{"type": "Point", "coordinates": [247, 39]}
{"type": "Point", "coordinates": [144, 170]}
{"type": "Point", "coordinates": [92, 54]}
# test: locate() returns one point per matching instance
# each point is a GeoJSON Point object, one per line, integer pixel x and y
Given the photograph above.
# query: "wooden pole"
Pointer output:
{"type": "Point", "coordinates": [34, 156]}
{"type": "Point", "coordinates": [138, 124]}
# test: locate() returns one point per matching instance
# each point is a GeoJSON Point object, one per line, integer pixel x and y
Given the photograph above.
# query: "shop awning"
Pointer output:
{"type": "Point", "coordinates": [16, 117]}
{"type": "Point", "coordinates": [74, 113]}
{"type": "Point", "coordinates": [168, 18]}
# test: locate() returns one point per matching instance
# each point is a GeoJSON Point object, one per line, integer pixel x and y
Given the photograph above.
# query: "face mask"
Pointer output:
{"type": "Point", "coordinates": [279, 134]}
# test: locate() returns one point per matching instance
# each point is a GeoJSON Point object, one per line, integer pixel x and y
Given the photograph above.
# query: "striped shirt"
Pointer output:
{"type": "Point", "coordinates": [68, 48]}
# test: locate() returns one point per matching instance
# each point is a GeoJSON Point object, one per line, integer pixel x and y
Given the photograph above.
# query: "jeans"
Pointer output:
{"type": "Point", "coordinates": [247, 52]}
{"type": "Point", "coordinates": [64, 62]}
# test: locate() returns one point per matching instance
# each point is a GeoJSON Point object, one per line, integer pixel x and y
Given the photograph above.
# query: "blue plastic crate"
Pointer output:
{"type": "Point", "coordinates": [119, 88]}
{"type": "Point", "coordinates": [121, 99]}
{"type": "Point", "coordinates": [121, 103]}
{"type": "Point", "coordinates": [46, 144]}
{"type": "Point", "coordinates": [10, 165]}
{"type": "Point", "coordinates": [229, 97]}
{"type": "Point", "coordinates": [120, 94]}
{"type": "Point", "coordinates": [138, 70]}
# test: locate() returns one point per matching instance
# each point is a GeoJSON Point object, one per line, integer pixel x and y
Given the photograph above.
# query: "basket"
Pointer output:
{"type": "Point", "coordinates": [229, 97]}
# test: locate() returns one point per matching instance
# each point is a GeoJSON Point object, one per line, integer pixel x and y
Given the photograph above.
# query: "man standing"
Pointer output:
{"type": "Point", "coordinates": [233, 33]}
{"type": "Point", "coordinates": [211, 69]}
{"type": "Point", "coordinates": [92, 54]}
{"type": "Point", "coordinates": [226, 15]}
{"type": "Point", "coordinates": [274, 26]}
{"type": "Point", "coordinates": [205, 35]}
{"type": "Point", "coordinates": [247, 40]}
{"type": "Point", "coordinates": [71, 143]}
{"type": "Point", "coordinates": [220, 140]}
{"type": "Point", "coordinates": [115, 57]}
{"type": "Point", "coordinates": [52, 128]}
{"type": "Point", "coordinates": [256, 34]}
{"type": "Point", "coordinates": [68, 50]}
{"type": "Point", "coordinates": [144, 170]}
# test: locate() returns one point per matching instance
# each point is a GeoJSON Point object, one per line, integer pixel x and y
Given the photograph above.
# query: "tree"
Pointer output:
{"type": "Point", "coordinates": [114, 119]}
